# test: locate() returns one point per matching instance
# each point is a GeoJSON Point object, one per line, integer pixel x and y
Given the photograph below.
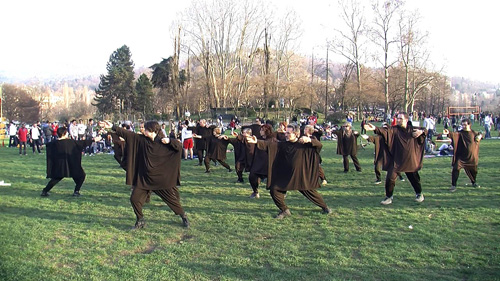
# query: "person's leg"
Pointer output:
{"type": "Point", "coordinates": [79, 182]}
{"type": "Point", "coordinates": [471, 173]}
{"type": "Point", "coordinates": [137, 199]}
{"type": "Point", "coordinates": [278, 198]}
{"type": "Point", "coordinates": [51, 184]}
{"type": "Point", "coordinates": [185, 153]}
{"type": "Point", "coordinates": [414, 179]}
{"type": "Point", "coordinates": [199, 151]}
{"type": "Point", "coordinates": [239, 171]}
{"type": "Point", "coordinates": [315, 197]}
{"type": "Point", "coordinates": [254, 182]}
{"type": "Point", "coordinates": [345, 160]}
{"type": "Point", "coordinates": [225, 165]}
{"type": "Point", "coordinates": [455, 172]}
{"type": "Point", "coordinates": [378, 174]}
{"type": "Point", "coordinates": [38, 144]}
{"type": "Point", "coordinates": [172, 198]}
{"type": "Point", "coordinates": [355, 161]}
{"type": "Point", "coordinates": [390, 182]}
{"type": "Point", "coordinates": [191, 153]}
{"type": "Point", "coordinates": [207, 164]}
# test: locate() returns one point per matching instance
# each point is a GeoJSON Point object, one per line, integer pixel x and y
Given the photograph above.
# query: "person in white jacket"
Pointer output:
{"type": "Point", "coordinates": [187, 140]}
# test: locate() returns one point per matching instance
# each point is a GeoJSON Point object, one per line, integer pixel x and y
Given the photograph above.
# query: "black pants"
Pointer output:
{"type": "Point", "coordinates": [239, 167]}
{"type": "Point", "coordinates": [390, 182]}
{"type": "Point", "coordinates": [313, 196]}
{"type": "Point", "coordinates": [53, 181]}
{"type": "Point", "coordinates": [12, 141]}
{"type": "Point", "coordinates": [170, 196]}
{"type": "Point", "coordinates": [22, 147]}
{"type": "Point", "coordinates": [254, 180]}
{"type": "Point", "coordinates": [470, 171]}
{"type": "Point", "coordinates": [199, 152]}
{"type": "Point", "coordinates": [222, 162]}
{"type": "Point", "coordinates": [354, 161]}
{"type": "Point", "coordinates": [36, 143]}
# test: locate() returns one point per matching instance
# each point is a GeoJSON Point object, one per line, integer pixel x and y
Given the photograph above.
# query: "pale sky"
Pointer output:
{"type": "Point", "coordinates": [65, 38]}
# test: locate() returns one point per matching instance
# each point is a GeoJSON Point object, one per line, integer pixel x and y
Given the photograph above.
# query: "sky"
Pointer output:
{"type": "Point", "coordinates": [65, 38]}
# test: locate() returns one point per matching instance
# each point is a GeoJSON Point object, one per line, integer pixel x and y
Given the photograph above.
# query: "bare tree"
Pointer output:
{"type": "Point", "coordinates": [414, 58]}
{"type": "Point", "coordinates": [222, 34]}
{"type": "Point", "coordinates": [287, 32]}
{"type": "Point", "coordinates": [349, 42]}
{"type": "Point", "coordinates": [383, 36]}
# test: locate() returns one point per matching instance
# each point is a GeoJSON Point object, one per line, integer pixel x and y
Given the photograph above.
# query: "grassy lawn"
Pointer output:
{"type": "Point", "coordinates": [454, 236]}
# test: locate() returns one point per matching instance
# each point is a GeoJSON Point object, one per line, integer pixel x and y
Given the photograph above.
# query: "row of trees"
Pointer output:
{"type": "Point", "coordinates": [242, 55]}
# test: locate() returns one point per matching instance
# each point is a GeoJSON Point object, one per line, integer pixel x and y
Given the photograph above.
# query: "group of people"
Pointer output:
{"type": "Point", "coordinates": [287, 159]}
{"type": "Point", "coordinates": [35, 135]}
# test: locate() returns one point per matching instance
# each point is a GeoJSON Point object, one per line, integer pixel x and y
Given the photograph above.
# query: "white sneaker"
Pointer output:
{"type": "Point", "coordinates": [453, 188]}
{"type": "Point", "coordinates": [324, 182]}
{"type": "Point", "coordinates": [378, 182]}
{"type": "Point", "coordinates": [419, 198]}
{"type": "Point", "coordinates": [386, 201]}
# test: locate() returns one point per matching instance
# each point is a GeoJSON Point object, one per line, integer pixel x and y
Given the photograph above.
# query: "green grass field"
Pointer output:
{"type": "Point", "coordinates": [454, 236]}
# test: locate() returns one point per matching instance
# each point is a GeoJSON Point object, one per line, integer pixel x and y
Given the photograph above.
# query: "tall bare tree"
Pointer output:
{"type": "Point", "coordinates": [221, 33]}
{"type": "Point", "coordinates": [414, 58]}
{"type": "Point", "coordinates": [383, 34]}
{"type": "Point", "coordinates": [350, 40]}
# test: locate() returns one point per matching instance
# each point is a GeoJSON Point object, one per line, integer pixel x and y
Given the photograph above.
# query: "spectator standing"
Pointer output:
{"type": "Point", "coordinates": [22, 135]}
{"type": "Point", "coordinates": [488, 121]}
{"type": "Point", "coordinates": [12, 135]}
{"type": "Point", "coordinates": [73, 130]}
{"type": "Point", "coordinates": [35, 136]}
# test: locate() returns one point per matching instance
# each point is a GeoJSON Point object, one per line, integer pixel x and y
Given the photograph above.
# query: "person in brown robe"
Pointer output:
{"type": "Point", "coordinates": [203, 130]}
{"type": "Point", "coordinates": [347, 145]}
{"type": "Point", "coordinates": [380, 155]}
{"type": "Point", "coordinates": [153, 164]}
{"type": "Point", "coordinates": [310, 131]}
{"type": "Point", "coordinates": [241, 152]}
{"type": "Point", "coordinates": [405, 154]}
{"type": "Point", "coordinates": [465, 153]}
{"type": "Point", "coordinates": [293, 165]}
{"type": "Point", "coordinates": [64, 159]}
{"type": "Point", "coordinates": [216, 149]}
{"type": "Point", "coordinates": [260, 163]}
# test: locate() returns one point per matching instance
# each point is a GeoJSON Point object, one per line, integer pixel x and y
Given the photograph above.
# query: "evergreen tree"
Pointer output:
{"type": "Point", "coordinates": [165, 78]}
{"type": "Point", "coordinates": [115, 92]}
{"type": "Point", "coordinates": [144, 94]}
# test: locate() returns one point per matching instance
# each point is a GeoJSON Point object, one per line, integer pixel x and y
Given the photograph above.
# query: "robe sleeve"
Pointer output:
{"type": "Point", "coordinates": [175, 144]}
{"type": "Point", "coordinates": [81, 144]}
{"type": "Point", "coordinates": [422, 137]}
{"type": "Point", "coordinates": [317, 145]}
{"type": "Point", "coordinates": [127, 135]}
